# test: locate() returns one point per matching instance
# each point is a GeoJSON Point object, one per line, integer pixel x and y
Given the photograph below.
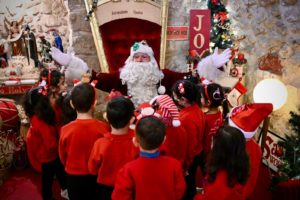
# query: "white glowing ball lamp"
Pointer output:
{"type": "Point", "coordinates": [270, 91]}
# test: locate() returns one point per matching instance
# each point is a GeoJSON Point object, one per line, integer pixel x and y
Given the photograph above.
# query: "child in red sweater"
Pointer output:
{"type": "Point", "coordinates": [212, 100]}
{"type": "Point", "coordinates": [247, 118]}
{"type": "Point", "coordinates": [54, 80]}
{"type": "Point", "coordinates": [76, 142]}
{"type": "Point", "coordinates": [42, 140]}
{"type": "Point", "coordinates": [227, 168]}
{"type": "Point", "coordinates": [186, 96]}
{"type": "Point", "coordinates": [151, 176]}
{"type": "Point", "coordinates": [115, 149]}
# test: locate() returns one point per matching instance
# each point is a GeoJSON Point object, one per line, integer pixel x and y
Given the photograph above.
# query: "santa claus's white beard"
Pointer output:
{"type": "Point", "coordinates": [141, 79]}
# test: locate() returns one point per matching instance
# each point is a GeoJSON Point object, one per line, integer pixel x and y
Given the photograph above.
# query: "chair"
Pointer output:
{"type": "Point", "coordinates": [117, 24]}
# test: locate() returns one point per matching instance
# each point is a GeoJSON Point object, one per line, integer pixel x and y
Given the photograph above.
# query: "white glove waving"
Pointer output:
{"type": "Point", "coordinates": [219, 60]}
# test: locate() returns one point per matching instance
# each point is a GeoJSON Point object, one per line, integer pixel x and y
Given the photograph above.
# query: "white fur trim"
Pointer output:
{"type": "Point", "coordinates": [153, 99]}
{"type": "Point", "coordinates": [247, 134]}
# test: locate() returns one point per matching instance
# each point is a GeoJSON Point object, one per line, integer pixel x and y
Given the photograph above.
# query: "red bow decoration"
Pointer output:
{"type": "Point", "coordinates": [43, 90]}
{"type": "Point", "coordinates": [222, 16]}
{"type": "Point", "coordinates": [181, 88]}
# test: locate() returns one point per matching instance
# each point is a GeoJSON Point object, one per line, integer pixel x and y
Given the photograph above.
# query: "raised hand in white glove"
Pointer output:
{"type": "Point", "coordinates": [61, 58]}
{"type": "Point", "coordinates": [219, 60]}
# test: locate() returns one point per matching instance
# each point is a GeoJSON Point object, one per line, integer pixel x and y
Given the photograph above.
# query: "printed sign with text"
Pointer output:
{"type": "Point", "coordinates": [177, 32]}
{"type": "Point", "coordinates": [199, 30]}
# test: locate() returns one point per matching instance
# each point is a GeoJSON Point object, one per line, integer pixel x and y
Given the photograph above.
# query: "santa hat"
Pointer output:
{"type": "Point", "coordinates": [167, 108]}
{"type": "Point", "coordinates": [248, 117]}
{"type": "Point", "coordinates": [141, 47]}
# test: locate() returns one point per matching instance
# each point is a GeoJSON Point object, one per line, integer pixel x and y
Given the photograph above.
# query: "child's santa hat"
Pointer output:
{"type": "Point", "coordinates": [167, 108]}
{"type": "Point", "coordinates": [248, 117]}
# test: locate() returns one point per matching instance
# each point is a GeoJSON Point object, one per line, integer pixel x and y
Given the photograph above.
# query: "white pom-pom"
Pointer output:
{"type": "Point", "coordinates": [176, 123]}
{"type": "Point", "coordinates": [161, 89]}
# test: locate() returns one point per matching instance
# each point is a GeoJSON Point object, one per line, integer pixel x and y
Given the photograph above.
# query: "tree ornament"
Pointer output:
{"type": "Point", "coordinates": [234, 72]}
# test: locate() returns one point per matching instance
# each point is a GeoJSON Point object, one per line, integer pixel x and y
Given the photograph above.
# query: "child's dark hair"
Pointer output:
{"type": "Point", "coordinates": [37, 103]}
{"type": "Point", "coordinates": [188, 90]}
{"type": "Point", "coordinates": [150, 132]}
{"type": "Point", "coordinates": [214, 97]}
{"type": "Point", "coordinates": [229, 153]}
{"type": "Point", "coordinates": [119, 111]}
{"type": "Point", "coordinates": [83, 97]}
{"type": "Point", "coordinates": [68, 113]}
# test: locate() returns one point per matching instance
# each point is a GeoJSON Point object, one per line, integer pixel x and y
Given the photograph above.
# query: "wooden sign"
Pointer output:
{"type": "Point", "coordinates": [112, 10]}
{"type": "Point", "coordinates": [177, 32]}
{"type": "Point", "coordinates": [199, 30]}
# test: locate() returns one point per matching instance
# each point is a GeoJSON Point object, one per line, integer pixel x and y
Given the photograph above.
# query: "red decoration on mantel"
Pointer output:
{"type": "Point", "coordinates": [15, 89]}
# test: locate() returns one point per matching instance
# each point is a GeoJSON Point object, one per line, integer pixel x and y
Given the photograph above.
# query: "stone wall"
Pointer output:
{"type": "Point", "coordinates": [41, 15]}
{"type": "Point", "coordinates": [82, 38]}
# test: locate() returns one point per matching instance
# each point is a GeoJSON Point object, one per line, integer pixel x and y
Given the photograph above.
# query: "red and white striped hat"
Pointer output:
{"type": "Point", "coordinates": [167, 108]}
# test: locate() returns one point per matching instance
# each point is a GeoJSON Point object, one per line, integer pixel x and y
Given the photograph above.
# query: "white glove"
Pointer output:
{"type": "Point", "coordinates": [219, 60]}
{"type": "Point", "coordinates": [208, 67]}
{"type": "Point", "coordinates": [60, 57]}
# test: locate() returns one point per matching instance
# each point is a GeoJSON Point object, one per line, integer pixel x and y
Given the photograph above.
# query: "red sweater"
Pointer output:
{"type": "Point", "coordinates": [254, 152]}
{"type": "Point", "coordinates": [158, 178]}
{"type": "Point", "coordinates": [175, 144]}
{"type": "Point", "coordinates": [109, 154]}
{"type": "Point", "coordinates": [212, 125]}
{"type": "Point", "coordinates": [219, 190]}
{"type": "Point", "coordinates": [193, 121]}
{"type": "Point", "coordinates": [58, 112]}
{"type": "Point", "coordinates": [76, 142]}
{"type": "Point", "coordinates": [43, 141]}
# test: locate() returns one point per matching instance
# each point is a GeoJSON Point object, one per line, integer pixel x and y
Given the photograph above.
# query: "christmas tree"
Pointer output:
{"type": "Point", "coordinates": [290, 168]}
{"type": "Point", "coordinates": [220, 35]}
